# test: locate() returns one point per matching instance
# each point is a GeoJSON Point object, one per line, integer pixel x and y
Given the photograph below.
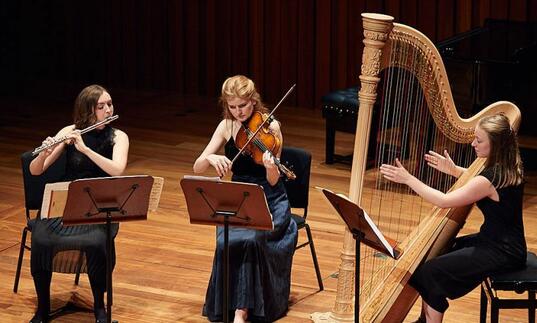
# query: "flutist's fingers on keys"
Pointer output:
{"type": "Point", "coordinates": [76, 138]}
{"type": "Point", "coordinates": [72, 137]}
{"type": "Point", "coordinates": [48, 142]}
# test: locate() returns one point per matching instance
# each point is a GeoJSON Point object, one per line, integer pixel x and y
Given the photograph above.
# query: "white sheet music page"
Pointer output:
{"type": "Point", "coordinates": [156, 190]}
{"type": "Point", "coordinates": [203, 178]}
{"type": "Point", "coordinates": [54, 199]}
{"type": "Point", "coordinates": [379, 234]}
{"type": "Point", "coordinates": [375, 229]}
{"type": "Point", "coordinates": [373, 235]}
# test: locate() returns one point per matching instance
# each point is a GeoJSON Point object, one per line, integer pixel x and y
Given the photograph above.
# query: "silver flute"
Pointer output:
{"type": "Point", "coordinates": [62, 139]}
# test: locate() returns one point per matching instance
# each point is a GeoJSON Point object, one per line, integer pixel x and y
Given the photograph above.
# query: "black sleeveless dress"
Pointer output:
{"type": "Point", "coordinates": [498, 247]}
{"type": "Point", "coordinates": [260, 261]}
{"type": "Point", "coordinates": [49, 236]}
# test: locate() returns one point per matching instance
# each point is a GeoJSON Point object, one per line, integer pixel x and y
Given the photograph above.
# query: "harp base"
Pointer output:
{"type": "Point", "coordinates": [328, 317]}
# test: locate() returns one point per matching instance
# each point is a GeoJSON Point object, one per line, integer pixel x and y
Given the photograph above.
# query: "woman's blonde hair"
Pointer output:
{"type": "Point", "coordinates": [239, 86]}
{"type": "Point", "coordinates": [504, 157]}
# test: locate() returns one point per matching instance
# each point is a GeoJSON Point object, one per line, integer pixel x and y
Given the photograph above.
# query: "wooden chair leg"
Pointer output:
{"type": "Point", "coordinates": [19, 263]}
{"type": "Point", "coordinates": [314, 256]}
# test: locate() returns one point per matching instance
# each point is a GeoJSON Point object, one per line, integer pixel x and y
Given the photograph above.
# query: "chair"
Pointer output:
{"type": "Point", "coordinates": [298, 194]}
{"type": "Point", "coordinates": [70, 261]}
{"type": "Point", "coordinates": [520, 281]}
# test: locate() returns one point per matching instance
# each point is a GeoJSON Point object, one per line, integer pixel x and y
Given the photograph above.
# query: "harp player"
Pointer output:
{"type": "Point", "coordinates": [498, 191]}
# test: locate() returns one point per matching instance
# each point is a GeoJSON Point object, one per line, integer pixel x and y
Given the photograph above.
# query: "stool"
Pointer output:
{"type": "Point", "coordinates": [340, 109]}
{"type": "Point", "coordinates": [520, 281]}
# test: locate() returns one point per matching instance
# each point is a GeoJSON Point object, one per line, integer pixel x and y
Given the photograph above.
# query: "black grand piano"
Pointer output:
{"type": "Point", "coordinates": [495, 62]}
{"type": "Point", "coordinates": [487, 64]}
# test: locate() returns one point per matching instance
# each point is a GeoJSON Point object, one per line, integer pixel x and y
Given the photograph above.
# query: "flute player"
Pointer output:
{"type": "Point", "coordinates": [98, 153]}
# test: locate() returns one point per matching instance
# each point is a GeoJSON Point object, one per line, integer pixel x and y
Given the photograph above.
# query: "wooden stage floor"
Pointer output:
{"type": "Point", "coordinates": [163, 264]}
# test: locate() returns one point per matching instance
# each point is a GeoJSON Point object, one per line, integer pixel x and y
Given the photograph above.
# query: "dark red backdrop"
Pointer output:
{"type": "Point", "coordinates": [190, 46]}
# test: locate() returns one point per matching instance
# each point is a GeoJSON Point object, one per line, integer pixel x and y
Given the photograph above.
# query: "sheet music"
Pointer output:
{"type": "Point", "coordinates": [156, 190]}
{"type": "Point", "coordinates": [374, 227]}
{"type": "Point", "coordinates": [122, 198]}
{"type": "Point", "coordinates": [54, 199]}
{"type": "Point", "coordinates": [379, 235]}
{"type": "Point", "coordinates": [203, 178]}
{"type": "Point", "coordinates": [209, 199]}
{"type": "Point", "coordinates": [372, 234]}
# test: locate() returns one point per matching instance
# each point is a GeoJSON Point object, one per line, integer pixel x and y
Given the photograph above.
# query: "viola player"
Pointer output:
{"type": "Point", "coordinates": [260, 261]}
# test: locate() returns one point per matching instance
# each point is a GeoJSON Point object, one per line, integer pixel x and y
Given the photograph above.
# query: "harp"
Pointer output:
{"type": "Point", "coordinates": [413, 114]}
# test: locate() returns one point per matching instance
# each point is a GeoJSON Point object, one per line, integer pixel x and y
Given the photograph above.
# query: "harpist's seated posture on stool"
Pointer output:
{"type": "Point", "coordinates": [97, 153]}
{"type": "Point", "coordinates": [498, 190]}
{"type": "Point", "coordinates": [260, 261]}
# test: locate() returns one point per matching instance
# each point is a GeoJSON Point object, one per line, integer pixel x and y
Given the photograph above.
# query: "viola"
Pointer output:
{"type": "Point", "coordinates": [263, 141]}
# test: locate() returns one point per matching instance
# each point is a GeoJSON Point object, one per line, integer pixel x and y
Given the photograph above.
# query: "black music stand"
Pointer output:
{"type": "Point", "coordinates": [223, 203]}
{"type": "Point", "coordinates": [107, 200]}
{"type": "Point", "coordinates": [364, 230]}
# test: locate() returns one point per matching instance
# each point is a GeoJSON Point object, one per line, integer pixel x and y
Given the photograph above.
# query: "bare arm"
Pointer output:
{"type": "Point", "coordinates": [476, 189]}
{"type": "Point", "coordinates": [113, 167]}
{"type": "Point", "coordinates": [209, 157]}
{"type": "Point", "coordinates": [48, 156]}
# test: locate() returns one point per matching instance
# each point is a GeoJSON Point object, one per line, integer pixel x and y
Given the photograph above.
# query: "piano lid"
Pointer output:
{"type": "Point", "coordinates": [499, 41]}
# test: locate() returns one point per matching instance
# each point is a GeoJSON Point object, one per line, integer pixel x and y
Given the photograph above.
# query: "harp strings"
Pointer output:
{"type": "Point", "coordinates": [405, 130]}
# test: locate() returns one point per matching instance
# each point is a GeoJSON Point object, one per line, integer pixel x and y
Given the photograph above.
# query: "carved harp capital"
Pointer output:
{"type": "Point", "coordinates": [371, 59]}
{"type": "Point", "coordinates": [374, 35]}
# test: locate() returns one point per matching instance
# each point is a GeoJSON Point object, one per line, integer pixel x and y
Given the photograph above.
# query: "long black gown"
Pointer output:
{"type": "Point", "coordinates": [49, 236]}
{"type": "Point", "coordinates": [498, 247]}
{"type": "Point", "coordinates": [260, 261]}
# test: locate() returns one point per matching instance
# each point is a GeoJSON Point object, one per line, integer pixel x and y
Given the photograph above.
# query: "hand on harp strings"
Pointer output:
{"type": "Point", "coordinates": [443, 163]}
{"type": "Point", "coordinates": [397, 173]}
{"type": "Point", "coordinates": [51, 142]}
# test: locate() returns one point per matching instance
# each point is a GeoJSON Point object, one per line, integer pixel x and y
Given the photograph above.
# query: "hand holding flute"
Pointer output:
{"type": "Point", "coordinates": [49, 144]}
{"type": "Point", "coordinates": [74, 137]}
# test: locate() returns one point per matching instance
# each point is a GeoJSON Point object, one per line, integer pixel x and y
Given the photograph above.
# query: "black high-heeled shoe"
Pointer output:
{"type": "Point", "coordinates": [100, 315]}
{"type": "Point", "coordinates": [38, 319]}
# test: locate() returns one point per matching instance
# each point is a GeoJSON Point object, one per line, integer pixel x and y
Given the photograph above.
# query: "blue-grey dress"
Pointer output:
{"type": "Point", "coordinates": [259, 261]}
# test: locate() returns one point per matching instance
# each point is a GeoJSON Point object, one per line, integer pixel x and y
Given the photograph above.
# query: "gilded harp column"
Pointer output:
{"type": "Point", "coordinates": [376, 29]}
